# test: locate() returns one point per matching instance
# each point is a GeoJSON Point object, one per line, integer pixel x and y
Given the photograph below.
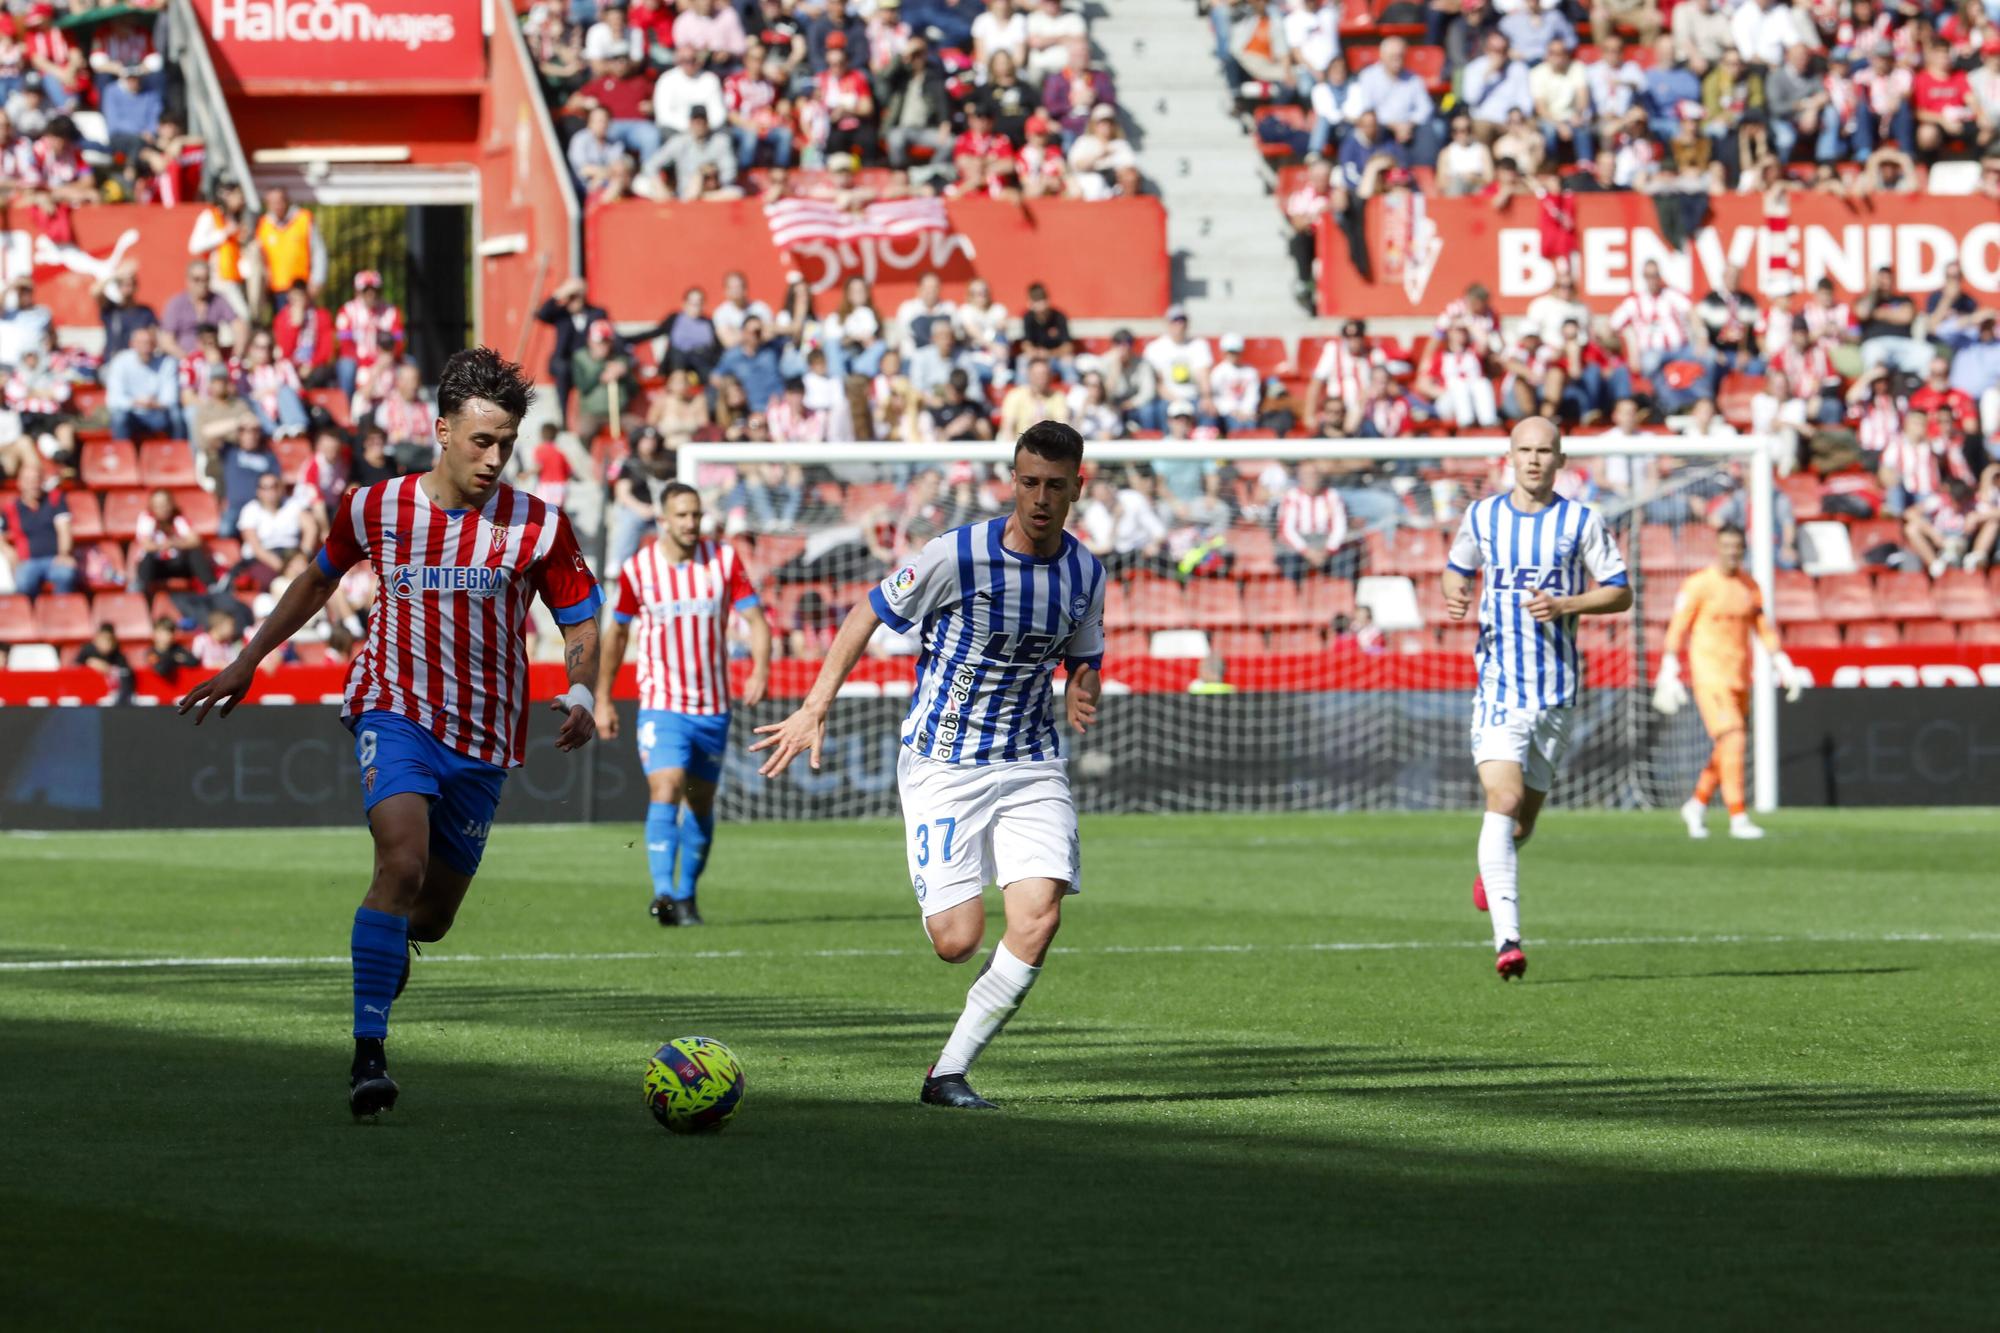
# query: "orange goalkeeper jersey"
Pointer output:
{"type": "Point", "coordinates": [1713, 618]}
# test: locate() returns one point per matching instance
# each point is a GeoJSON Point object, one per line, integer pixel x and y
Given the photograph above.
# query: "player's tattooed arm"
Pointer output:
{"type": "Point", "coordinates": [580, 659]}
{"type": "Point", "coordinates": [229, 687]}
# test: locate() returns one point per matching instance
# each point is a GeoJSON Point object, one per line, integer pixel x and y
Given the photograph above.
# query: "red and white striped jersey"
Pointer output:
{"type": "Point", "coordinates": [1827, 323]}
{"type": "Point", "coordinates": [366, 334]}
{"type": "Point", "coordinates": [1922, 465]}
{"type": "Point", "coordinates": [1657, 323]}
{"type": "Point", "coordinates": [1304, 519]}
{"type": "Point", "coordinates": [1451, 368]}
{"type": "Point", "coordinates": [1878, 423]}
{"type": "Point", "coordinates": [683, 632]}
{"type": "Point", "coordinates": [407, 420]}
{"type": "Point", "coordinates": [1344, 374]}
{"type": "Point", "coordinates": [1484, 326]}
{"type": "Point", "coordinates": [321, 482]}
{"type": "Point", "coordinates": [447, 644]}
{"type": "Point", "coordinates": [1807, 371]}
{"type": "Point", "coordinates": [262, 383]}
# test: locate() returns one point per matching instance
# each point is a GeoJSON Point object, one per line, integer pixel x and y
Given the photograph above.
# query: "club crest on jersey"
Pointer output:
{"type": "Point", "coordinates": [409, 580]}
{"type": "Point", "coordinates": [1565, 548]}
{"type": "Point", "coordinates": [1079, 606]}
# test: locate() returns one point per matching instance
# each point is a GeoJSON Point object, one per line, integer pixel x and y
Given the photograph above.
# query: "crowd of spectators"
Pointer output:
{"type": "Point", "coordinates": [713, 100]}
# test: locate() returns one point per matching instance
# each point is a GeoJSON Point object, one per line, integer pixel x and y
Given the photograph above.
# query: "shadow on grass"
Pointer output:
{"type": "Point", "coordinates": [226, 1181]}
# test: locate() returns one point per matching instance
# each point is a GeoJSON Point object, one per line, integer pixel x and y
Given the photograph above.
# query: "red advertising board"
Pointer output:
{"type": "Point", "coordinates": [1344, 671]}
{"type": "Point", "coordinates": [320, 46]}
{"type": "Point", "coordinates": [1104, 260]}
{"type": "Point", "coordinates": [1425, 251]}
{"type": "Point", "coordinates": [101, 238]}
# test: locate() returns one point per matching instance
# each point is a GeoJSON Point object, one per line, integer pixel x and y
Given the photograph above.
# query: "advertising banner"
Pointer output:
{"type": "Point", "coordinates": [321, 46]}
{"type": "Point", "coordinates": [1104, 260]}
{"type": "Point", "coordinates": [100, 238]}
{"type": "Point", "coordinates": [1891, 747]}
{"type": "Point", "coordinates": [1425, 251]}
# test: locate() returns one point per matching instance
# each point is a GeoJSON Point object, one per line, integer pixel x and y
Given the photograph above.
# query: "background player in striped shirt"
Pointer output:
{"type": "Point", "coordinates": [437, 698]}
{"type": "Point", "coordinates": [985, 791]}
{"type": "Point", "coordinates": [682, 591]}
{"type": "Point", "coordinates": [1532, 550]}
{"type": "Point", "coordinates": [1716, 612]}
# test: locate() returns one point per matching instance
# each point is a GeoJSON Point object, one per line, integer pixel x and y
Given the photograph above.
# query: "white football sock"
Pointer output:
{"type": "Point", "coordinates": [988, 1005]}
{"type": "Point", "coordinates": [1497, 867]}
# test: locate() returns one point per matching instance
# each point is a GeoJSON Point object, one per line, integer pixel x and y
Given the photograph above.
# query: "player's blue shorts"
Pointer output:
{"type": "Point", "coordinates": [396, 756]}
{"type": "Point", "coordinates": [693, 741]}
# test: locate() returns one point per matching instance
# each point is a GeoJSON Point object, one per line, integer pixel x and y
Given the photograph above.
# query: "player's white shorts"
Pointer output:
{"type": "Point", "coordinates": [970, 825]}
{"type": "Point", "coordinates": [1534, 738]}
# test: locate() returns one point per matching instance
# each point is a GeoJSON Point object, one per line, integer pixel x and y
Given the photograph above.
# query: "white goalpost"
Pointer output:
{"type": "Point", "coordinates": [1314, 707]}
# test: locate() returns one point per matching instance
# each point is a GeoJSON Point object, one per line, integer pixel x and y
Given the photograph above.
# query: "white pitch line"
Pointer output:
{"type": "Point", "coordinates": [1323, 946]}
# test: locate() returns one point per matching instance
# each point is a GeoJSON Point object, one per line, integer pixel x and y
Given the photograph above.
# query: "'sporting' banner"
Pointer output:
{"type": "Point", "coordinates": [320, 46]}
{"type": "Point", "coordinates": [1104, 260]}
{"type": "Point", "coordinates": [1425, 251]}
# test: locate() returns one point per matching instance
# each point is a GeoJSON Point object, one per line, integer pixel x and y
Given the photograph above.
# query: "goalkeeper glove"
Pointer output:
{"type": "Point", "coordinates": [1790, 678]}
{"type": "Point", "coordinates": [1669, 695]}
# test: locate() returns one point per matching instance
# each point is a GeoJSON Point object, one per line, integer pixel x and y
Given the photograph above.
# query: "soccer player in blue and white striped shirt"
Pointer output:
{"type": "Point", "coordinates": [1535, 550]}
{"type": "Point", "coordinates": [986, 796]}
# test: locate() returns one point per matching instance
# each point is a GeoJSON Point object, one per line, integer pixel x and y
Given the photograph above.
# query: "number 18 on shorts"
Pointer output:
{"type": "Point", "coordinates": [1534, 738]}
{"type": "Point", "coordinates": [970, 825]}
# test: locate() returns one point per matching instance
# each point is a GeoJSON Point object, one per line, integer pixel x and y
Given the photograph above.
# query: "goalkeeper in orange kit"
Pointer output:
{"type": "Point", "coordinates": [1717, 611]}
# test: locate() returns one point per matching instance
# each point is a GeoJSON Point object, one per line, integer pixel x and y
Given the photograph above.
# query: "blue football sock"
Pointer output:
{"type": "Point", "coordinates": [380, 947]}
{"type": "Point", "coordinates": [663, 839]}
{"type": "Point", "coordinates": [697, 831]}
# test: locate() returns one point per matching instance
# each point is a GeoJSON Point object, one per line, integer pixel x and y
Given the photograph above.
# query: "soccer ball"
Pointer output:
{"type": "Point", "coordinates": [694, 1085]}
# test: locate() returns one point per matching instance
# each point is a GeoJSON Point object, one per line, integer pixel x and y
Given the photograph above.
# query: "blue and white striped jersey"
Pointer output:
{"type": "Point", "coordinates": [994, 624]}
{"type": "Point", "coordinates": [1524, 663]}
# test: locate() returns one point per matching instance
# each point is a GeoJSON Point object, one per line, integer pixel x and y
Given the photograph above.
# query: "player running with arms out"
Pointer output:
{"type": "Point", "coordinates": [681, 590]}
{"type": "Point", "coordinates": [1534, 549]}
{"type": "Point", "coordinates": [1717, 611]}
{"type": "Point", "coordinates": [437, 697]}
{"type": "Point", "coordinates": [985, 792]}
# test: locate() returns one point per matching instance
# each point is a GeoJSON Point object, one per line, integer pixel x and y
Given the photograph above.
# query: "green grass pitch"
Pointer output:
{"type": "Point", "coordinates": [1268, 1081]}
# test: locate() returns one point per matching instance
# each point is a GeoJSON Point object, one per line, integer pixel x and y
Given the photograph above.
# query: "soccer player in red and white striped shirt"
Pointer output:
{"type": "Point", "coordinates": [1655, 321]}
{"type": "Point", "coordinates": [437, 698]}
{"type": "Point", "coordinates": [682, 591]}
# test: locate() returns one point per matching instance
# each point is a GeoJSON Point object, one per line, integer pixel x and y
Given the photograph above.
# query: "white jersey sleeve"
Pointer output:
{"type": "Point", "coordinates": [1086, 646]}
{"type": "Point", "coordinates": [1600, 553]}
{"type": "Point", "coordinates": [928, 584]}
{"type": "Point", "coordinates": [1466, 555]}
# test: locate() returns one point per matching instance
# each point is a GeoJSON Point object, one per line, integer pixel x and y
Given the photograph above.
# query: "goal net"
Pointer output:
{"type": "Point", "coordinates": [1248, 666]}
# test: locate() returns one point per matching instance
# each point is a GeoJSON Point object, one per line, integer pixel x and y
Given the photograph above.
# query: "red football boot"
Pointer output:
{"type": "Point", "coordinates": [1512, 962]}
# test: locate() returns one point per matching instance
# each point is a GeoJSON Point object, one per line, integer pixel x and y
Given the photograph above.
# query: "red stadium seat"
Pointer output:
{"type": "Point", "coordinates": [104, 565]}
{"type": "Point", "coordinates": [1415, 552]}
{"type": "Point", "coordinates": [1803, 490]}
{"type": "Point", "coordinates": [1657, 603]}
{"type": "Point", "coordinates": [1812, 634]}
{"type": "Point", "coordinates": [63, 618]}
{"type": "Point", "coordinates": [1985, 633]}
{"type": "Point", "coordinates": [108, 464]}
{"type": "Point", "coordinates": [1847, 597]}
{"type": "Point", "coordinates": [1874, 634]}
{"type": "Point", "coordinates": [310, 652]}
{"type": "Point", "coordinates": [1904, 595]}
{"type": "Point", "coordinates": [1869, 533]}
{"type": "Point", "coordinates": [1255, 551]}
{"type": "Point", "coordinates": [1326, 598]}
{"type": "Point", "coordinates": [125, 612]}
{"type": "Point", "coordinates": [1935, 632]}
{"type": "Point", "coordinates": [121, 514]}
{"type": "Point", "coordinates": [1295, 641]}
{"type": "Point", "coordinates": [1794, 596]}
{"type": "Point", "coordinates": [1237, 642]}
{"type": "Point", "coordinates": [200, 509]}
{"type": "Point", "coordinates": [1963, 595]}
{"type": "Point", "coordinates": [86, 515]}
{"type": "Point", "coordinates": [1659, 552]}
{"type": "Point", "coordinates": [1156, 603]}
{"type": "Point", "coordinates": [1430, 600]}
{"type": "Point", "coordinates": [332, 402]}
{"type": "Point", "coordinates": [1266, 355]}
{"type": "Point", "coordinates": [1215, 603]}
{"type": "Point", "coordinates": [1459, 639]}
{"type": "Point", "coordinates": [1127, 642]}
{"type": "Point", "coordinates": [293, 453]}
{"type": "Point", "coordinates": [1274, 603]}
{"type": "Point", "coordinates": [17, 619]}
{"type": "Point", "coordinates": [167, 463]}
{"type": "Point", "coordinates": [1734, 399]}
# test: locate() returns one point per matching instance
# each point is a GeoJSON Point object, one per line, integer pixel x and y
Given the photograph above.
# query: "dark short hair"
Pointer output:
{"type": "Point", "coordinates": [1730, 530]}
{"type": "Point", "coordinates": [481, 372]}
{"type": "Point", "coordinates": [676, 488]}
{"type": "Point", "coordinates": [1052, 440]}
